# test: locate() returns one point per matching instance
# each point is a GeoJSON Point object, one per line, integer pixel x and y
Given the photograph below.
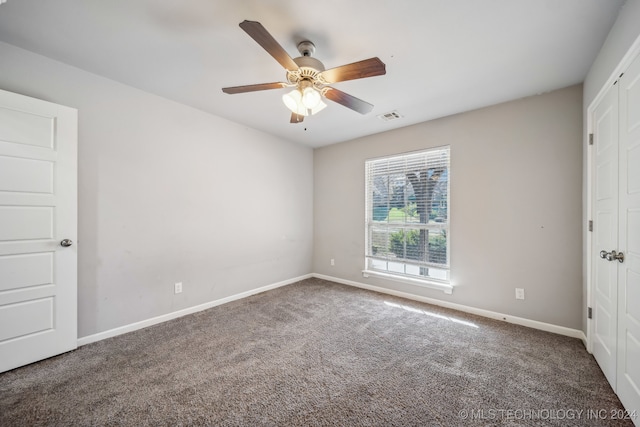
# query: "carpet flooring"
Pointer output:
{"type": "Point", "coordinates": [316, 353]}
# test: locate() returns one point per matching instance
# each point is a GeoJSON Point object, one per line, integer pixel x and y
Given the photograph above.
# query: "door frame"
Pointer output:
{"type": "Point", "coordinates": [624, 63]}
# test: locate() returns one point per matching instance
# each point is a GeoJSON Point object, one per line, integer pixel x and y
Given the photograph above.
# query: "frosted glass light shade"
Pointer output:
{"type": "Point", "coordinates": [321, 105]}
{"type": "Point", "coordinates": [310, 98]}
{"type": "Point", "coordinates": [294, 101]}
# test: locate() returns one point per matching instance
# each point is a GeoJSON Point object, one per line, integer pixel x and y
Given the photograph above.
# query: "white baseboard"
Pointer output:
{"type": "Point", "coordinates": [574, 333]}
{"type": "Point", "coordinates": [583, 337]}
{"type": "Point", "coordinates": [174, 315]}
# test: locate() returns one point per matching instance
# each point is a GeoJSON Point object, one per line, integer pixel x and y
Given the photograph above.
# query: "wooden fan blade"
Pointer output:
{"type": "Point", "coordinates": [348, 101]}
{"type": "Point", "coordinates": [357, 70]}
{"type": "Point", "coordinates": [257, 32]}
{"type": "Point", "coordinates": [296, 118]}
{"type": "Point", "coordinates": [253, 88]}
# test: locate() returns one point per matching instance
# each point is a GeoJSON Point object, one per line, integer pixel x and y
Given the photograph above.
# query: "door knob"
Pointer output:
{"type": "Point", "coordinates": [613, 255]}
{"type": "Point", "coordinates": [66, 242]}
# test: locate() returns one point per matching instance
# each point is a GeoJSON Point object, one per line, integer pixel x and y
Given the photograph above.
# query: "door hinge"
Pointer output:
{"type": "Point", "coordinates": [590, 139]}
{"type": "Point", "coordinates": [589, 313]}
{"type": "Point", "coordinates": [590, 225]}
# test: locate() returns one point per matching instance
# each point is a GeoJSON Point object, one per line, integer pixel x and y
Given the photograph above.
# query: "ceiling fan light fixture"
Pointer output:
{"type": "Point", "coordinates": [298, 104]}
{"type": "Point", "coordinates": [293, 101]}
{"type": "Point", "coordinates": [311, 98]}
{"type": "Point", "coordinates": [321, 106]}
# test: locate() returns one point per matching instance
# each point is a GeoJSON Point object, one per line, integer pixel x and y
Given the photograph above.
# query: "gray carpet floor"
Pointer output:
{"type": "Point", "coordinates": [317, 353]}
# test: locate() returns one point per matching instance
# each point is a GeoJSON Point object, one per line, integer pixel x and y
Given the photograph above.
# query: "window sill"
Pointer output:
{"type": "Point", "coordinates": [444, 287]}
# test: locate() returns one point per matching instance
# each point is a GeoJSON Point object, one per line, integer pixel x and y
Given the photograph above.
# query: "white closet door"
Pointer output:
{"type": "Point", "coordinates": [605, 229]}
{"type": "Point", "coordinates": [628, 363]}
{"type": "Point", "coordinates": [38, 209]}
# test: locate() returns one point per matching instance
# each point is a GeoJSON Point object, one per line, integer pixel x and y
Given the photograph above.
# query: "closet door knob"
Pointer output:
{"type": "Point", "coordinates": [66, 243]}
{"type": "Point", "coordinates": [612, 256]}
{"type": "Point", "coordinates": [617, 255]}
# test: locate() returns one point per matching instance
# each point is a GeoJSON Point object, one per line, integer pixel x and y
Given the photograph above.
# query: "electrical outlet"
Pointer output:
{"type": "Point", "coordinates": [333, 261]}
{"type": "Point", "coordinates": [177, 288]}
{"type": "Point", "coordinates": [519, 293]}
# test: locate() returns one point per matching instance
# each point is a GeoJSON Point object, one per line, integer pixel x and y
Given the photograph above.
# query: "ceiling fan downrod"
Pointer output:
{"type": "Point", "coordinates": [306, 48]}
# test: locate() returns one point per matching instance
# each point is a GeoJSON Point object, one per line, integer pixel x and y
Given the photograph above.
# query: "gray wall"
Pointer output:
{"type": "Point", "coordinates": [623, 34]}
{"type": "Point", "coordinates": [168, 193]}
{"type": "Point", "coordinates": [516, 180]}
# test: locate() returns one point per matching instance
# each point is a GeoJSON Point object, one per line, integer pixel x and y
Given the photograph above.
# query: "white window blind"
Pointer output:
{"type": "Point", "coordinates": [407, 214]}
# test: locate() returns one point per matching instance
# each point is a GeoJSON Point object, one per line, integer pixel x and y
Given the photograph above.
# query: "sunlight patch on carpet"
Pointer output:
{"type": "Point", "coordinates": [428, 313]}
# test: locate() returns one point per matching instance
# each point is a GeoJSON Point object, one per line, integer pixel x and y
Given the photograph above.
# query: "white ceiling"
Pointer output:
{"type": "Point", "coordinates": [443, 56]}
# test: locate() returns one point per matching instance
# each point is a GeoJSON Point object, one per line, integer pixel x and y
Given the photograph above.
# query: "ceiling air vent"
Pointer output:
{"type": "Point", "coordinates": [392, 115]}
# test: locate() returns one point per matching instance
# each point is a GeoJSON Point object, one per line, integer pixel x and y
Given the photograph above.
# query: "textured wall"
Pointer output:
{"type": "Point", "coordinates": [515, 205]}
{"type": "Point", "coordinates": [168, 193]}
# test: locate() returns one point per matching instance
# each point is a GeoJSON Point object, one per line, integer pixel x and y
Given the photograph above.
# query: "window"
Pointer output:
{"type": "Point", "coordinates": [407, 216]}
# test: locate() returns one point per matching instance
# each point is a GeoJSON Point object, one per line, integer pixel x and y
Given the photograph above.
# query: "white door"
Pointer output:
{"type": "Point", "coordinates": [628, 382]}
{"type": "Point", "coordinates": [38, 209]}
{"type": "Point", "coordinates": [605, 229]}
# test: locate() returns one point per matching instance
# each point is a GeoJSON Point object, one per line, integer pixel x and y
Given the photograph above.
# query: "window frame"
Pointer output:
{"type": "Point", "coordinates": [370, 223]}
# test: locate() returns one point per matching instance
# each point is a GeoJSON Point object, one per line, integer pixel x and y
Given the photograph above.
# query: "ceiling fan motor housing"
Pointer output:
{"type": "Point", "coordinates": [310, 68]}
{"type": "Point", "coordinates": [309, 62]}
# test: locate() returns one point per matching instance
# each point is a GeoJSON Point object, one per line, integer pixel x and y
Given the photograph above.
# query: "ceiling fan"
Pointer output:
{"type": "Point", "coordinates": [308, 76]}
